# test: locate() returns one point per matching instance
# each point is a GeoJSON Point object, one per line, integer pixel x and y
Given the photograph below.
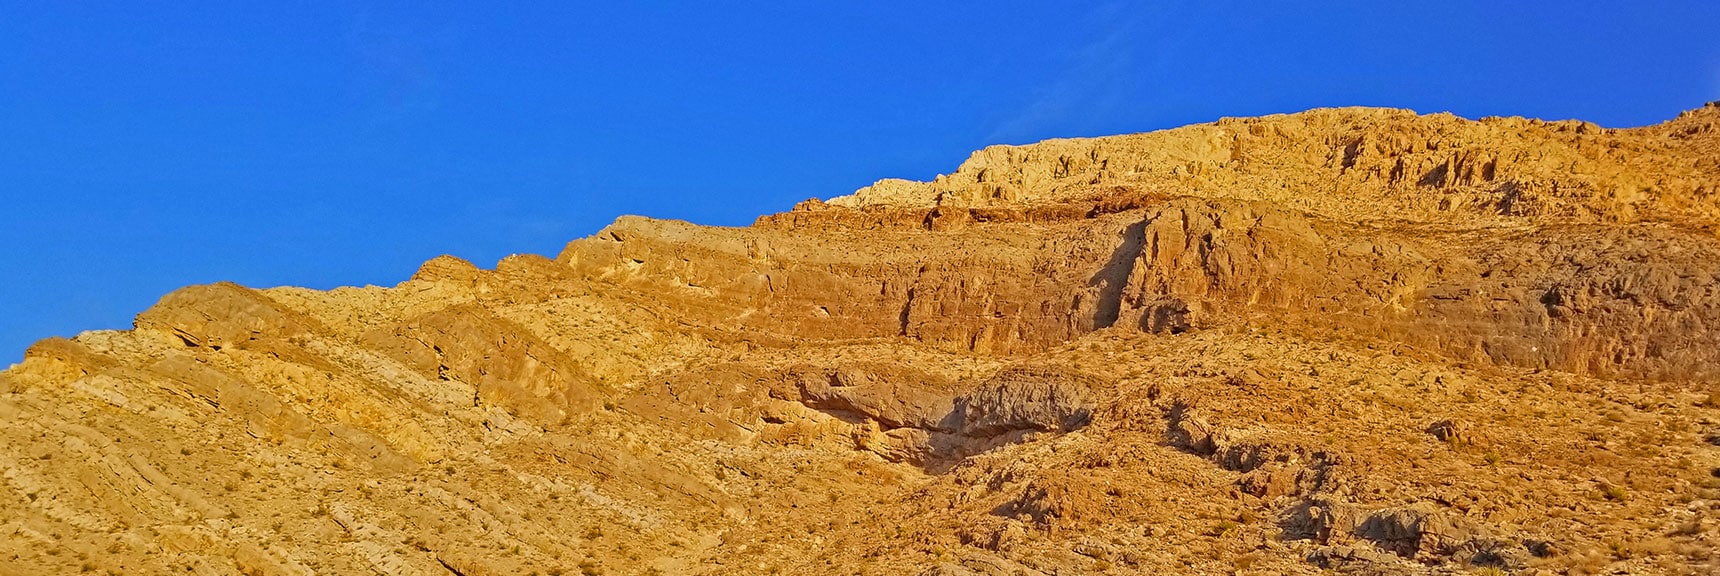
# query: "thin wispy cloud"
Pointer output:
{"type": "Point", "coordinates": [1097, 80]}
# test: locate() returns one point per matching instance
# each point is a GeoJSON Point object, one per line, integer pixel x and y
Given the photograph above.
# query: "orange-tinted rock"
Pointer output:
{"type": "Point", "coordinates": [1213, 349]}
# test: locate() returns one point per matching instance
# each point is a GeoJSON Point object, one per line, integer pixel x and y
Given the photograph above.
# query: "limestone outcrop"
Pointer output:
{"type": "Point", "coordinates": [1364, 340]}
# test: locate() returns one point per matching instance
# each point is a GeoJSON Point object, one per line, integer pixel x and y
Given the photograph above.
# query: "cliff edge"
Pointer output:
{"type": "Point", "coordinates": [1362, 340]}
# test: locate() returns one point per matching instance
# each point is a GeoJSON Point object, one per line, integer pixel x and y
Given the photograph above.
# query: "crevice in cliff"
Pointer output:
{"type": "Point", "coordinates": [1114, 276]}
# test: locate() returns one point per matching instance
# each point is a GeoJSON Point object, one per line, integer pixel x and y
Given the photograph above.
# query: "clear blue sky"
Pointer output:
{"type": "Point", "coordinates": [149, 145]}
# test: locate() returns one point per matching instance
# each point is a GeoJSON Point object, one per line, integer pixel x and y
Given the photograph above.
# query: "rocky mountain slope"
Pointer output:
{"type": "Point", "coordinates": [1360, 340]}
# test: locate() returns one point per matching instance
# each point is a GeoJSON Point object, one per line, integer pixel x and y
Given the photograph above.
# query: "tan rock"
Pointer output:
{"type": "Point", "coordinates": [1212, 349]}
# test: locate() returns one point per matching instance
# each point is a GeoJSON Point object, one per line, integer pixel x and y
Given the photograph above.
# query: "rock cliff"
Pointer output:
{"type": "Point", "coordinates": [1354, 339]}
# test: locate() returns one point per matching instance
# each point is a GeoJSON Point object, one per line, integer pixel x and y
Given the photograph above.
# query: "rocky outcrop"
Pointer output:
{"type": "Point", "coordinates": [224, 315]}
{"type": "Point", "coordinates": [1029, 398]}
{"type": "Point", "coordinates": [893, 397]}
{"type": "Point", "coordinates": [1549, 296]}
{"type": "Point", "coordinates": [507, 364]}
{"type": "Point", "coordinates": [1360, 339]}
{"type": "Point", "coordinates": [1359, 164]}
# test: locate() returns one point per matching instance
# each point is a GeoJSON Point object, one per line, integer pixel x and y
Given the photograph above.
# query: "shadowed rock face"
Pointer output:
{"type": "Point", "coordinates": [1356, 339]}
{"type": "Point", "coordinates": [1029, 398]}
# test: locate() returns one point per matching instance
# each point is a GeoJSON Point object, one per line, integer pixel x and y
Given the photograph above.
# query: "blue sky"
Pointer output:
{"type": "Point", "coordinates": [150, 145]}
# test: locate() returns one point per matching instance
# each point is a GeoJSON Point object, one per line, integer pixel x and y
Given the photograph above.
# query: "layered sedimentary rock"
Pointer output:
{"type": "Point", "coordinates": [1353, 339]}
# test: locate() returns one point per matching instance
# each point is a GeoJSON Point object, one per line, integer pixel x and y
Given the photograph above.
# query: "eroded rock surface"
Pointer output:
{"type": "Point", "coordinates": [1360, 340]}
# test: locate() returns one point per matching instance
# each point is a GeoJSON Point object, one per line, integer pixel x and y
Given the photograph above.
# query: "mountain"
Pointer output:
{"type": "Point", "coordinates": [1362, 340]}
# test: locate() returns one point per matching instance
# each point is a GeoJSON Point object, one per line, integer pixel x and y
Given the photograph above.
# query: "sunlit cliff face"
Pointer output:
{"type": "Point", "coordinates": [1352, 339]}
